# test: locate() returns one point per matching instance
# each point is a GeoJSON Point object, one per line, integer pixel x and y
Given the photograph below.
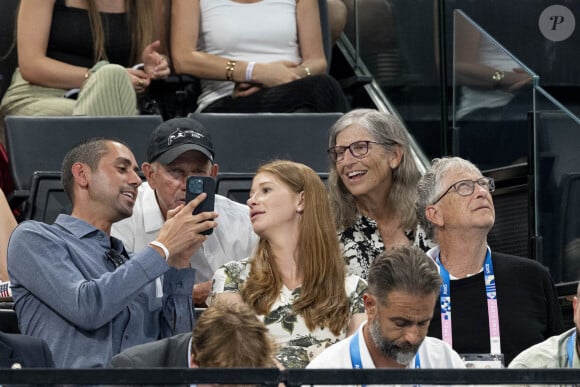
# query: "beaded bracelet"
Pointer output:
{"type": "Point", "coordinates": [230, 66]}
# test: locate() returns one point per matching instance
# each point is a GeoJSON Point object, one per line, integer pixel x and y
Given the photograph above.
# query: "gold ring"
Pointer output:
{"type": "Point", "coordinates": [141, 83]}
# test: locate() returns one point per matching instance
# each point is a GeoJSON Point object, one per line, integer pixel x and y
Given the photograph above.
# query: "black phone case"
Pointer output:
{"type": "Point", "coordinates": [196, 185]}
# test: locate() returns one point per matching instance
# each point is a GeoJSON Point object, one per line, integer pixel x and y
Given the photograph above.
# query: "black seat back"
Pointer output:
{"type": "Point", "coordinates": [513, 221]}
{"type": "Point", "coordinates": [40, 143]}
{"type": "Point", "coordinates": [245, 141]}
{"type": "Point", "coordinates": [47, 197]}
{"type": "Point", "coordinates": [569, 227]}
{"type": "Point", "coordinates": [237, 186]}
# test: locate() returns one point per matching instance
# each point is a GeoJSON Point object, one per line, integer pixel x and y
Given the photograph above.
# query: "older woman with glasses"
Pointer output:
{"type": "Point", "coordinates": [492, 305]}
{"type": "Point", "coordinates": [372, 184]}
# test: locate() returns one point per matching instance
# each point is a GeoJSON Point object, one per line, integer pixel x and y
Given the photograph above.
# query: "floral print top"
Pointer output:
{"type": "Point", "coordinates": [298, 346]}
{"type": "Point", "coordinates": [362, 242]}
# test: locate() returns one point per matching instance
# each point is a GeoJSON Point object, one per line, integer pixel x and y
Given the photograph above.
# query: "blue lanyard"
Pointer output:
{"type": "Point", "coordinates": [570, 343]}
{"type": "Point", "coordinates": [491, 294]}
{"type": "Point", "coordinates": [355, 357]}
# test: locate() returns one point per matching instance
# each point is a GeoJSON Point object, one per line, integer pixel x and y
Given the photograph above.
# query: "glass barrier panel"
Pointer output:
{"type": "Point", "coordinates": [557, 188]}
{"type": "Point", "coordinates": [501, 69]}
{"type": "Point", "coordinates": [492, 95]}
{"type": "Point", "coordinates": [543, 35]}
{"type": "Point", "coordinates": [400, 42]}
{"type": "Point", "coordinates": [396, 41]}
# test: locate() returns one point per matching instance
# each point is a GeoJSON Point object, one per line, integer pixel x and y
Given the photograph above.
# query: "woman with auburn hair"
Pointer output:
{"type": "Point", "coordinates": [91, 45]}
{"type": "Point", "coordinates": [372, 186]}
{"type": "Point", "coordinates": [296, 280]}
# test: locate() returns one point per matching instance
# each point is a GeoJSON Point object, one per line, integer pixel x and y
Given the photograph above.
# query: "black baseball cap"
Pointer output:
{"type": "Point", "coordinates": [176, 136]}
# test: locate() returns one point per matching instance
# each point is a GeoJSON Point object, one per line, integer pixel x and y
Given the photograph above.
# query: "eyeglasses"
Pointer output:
{"type": "Point", "coordinates": [358, 149]}
{"type": "Point", "coordinates": [466, 187]}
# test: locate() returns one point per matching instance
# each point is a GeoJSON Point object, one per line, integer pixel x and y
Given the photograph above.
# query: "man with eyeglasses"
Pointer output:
{"type": "Point", "coordinates": [492, 305]}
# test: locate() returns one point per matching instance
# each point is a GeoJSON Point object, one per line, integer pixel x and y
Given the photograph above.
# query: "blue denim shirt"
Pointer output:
{"type": "Point", "coordinates": [67, 293]}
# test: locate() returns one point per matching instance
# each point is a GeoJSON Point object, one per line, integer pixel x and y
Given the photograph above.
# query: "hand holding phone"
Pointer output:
{"type": "Point", "coordinates": [195, 185]}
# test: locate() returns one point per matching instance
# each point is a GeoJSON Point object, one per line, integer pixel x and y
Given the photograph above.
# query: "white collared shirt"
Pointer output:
{"type": "Point", "coordinates": [233, 239]}
{"type": "Point", "coordinates": [434, 353]}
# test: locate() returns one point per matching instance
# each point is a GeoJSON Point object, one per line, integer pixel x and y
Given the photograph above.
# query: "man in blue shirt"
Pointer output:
{"type": "Point", "coordinates": [76, 288]}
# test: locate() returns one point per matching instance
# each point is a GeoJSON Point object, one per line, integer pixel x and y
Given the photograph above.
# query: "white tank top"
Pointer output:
{"type": "Point", "coordinates": [264, 31]}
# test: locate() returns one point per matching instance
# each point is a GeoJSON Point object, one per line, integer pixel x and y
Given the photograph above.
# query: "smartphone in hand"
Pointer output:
{"type": "Point", "coordinates": [196, 185]}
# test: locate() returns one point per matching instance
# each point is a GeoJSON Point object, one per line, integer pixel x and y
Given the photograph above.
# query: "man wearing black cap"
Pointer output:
{"type": "Point", "coordinates": [179, 148]}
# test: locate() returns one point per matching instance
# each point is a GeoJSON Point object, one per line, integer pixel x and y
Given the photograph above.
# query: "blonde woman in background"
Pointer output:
{"type": "Point", "coordinates": [91, 45]}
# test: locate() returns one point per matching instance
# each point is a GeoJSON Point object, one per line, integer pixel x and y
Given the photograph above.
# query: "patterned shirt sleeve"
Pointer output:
{"type": "Point", "coordinates": [356, 288]}
{"type": "Point", "coordinates": [228, 278]}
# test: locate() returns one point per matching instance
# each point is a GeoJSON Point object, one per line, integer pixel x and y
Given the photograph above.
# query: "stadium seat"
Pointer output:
{"type": "Point", "coordinates": [47, 198]}
{"type": "Point", "coordinates": [569, 227]}
{"type": "Point", "coordinates": [558, 138]}
{"type": "Point", "coordinates": [40, 143]}
{"type": "Point", "coordinates": [8, 318]}
{"type": "Point", "coordinates": [244, 141]}
{"type": "Point", "coordinates": [510, 233]}
{"type": "Point", "coordinates": [236, 186]}
{"type": "Point", "coordinates": [557, 146]}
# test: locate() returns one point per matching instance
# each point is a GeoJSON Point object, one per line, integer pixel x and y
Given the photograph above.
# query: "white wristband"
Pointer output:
{"type": "Point", "coordinates": [162, 247]}
{"type": "Point", "coordinates": [249, 71]}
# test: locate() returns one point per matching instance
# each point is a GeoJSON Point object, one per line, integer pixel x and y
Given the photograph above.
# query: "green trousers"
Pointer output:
{"type": "Point", "coordinates": [107, 92]}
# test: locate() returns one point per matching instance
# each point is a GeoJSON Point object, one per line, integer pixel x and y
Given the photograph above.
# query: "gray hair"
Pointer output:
{"type": "Point", "coordinates": [430, 186]}
{"type": "Point", "coordinates": [407, 269]}
{"type": "Point", "coordinates": [384, 128]}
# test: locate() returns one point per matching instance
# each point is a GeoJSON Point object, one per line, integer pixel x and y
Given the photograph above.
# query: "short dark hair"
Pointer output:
{"type": "Point", "coordinates": [407, 269]}
{"type": "Point", "coordinates": [88, 152]}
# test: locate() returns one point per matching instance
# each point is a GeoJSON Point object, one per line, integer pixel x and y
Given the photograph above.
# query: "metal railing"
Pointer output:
{"type": "Point", "coordinates": [290, 377]}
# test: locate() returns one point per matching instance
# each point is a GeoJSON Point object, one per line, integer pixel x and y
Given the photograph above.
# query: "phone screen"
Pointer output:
{"type": "Point", "coordinates": [195, 185]}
